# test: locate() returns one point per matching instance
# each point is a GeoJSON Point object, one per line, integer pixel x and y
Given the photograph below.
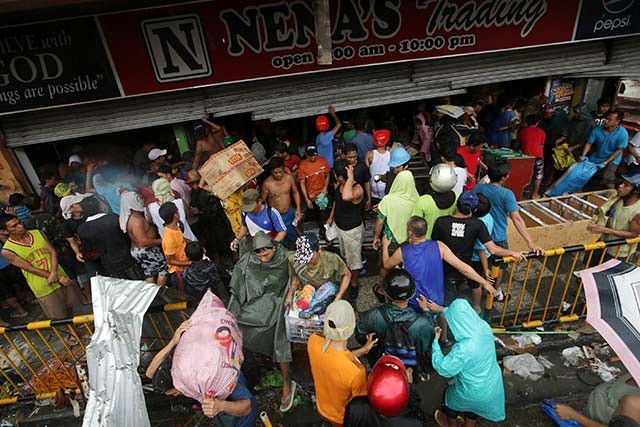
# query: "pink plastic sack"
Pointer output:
{"type": "Point", "coordinates": [207, 360]}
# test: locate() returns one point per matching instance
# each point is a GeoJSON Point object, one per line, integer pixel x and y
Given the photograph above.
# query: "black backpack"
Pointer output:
{"type": "Point", "coordinates": [397, 341]}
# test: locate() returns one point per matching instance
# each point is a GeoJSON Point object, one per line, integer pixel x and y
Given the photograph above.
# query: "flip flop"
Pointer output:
{"type": "Point", "coordinates": [292, 396]}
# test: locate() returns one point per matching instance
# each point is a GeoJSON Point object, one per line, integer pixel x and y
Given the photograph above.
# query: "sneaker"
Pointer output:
{"type": "Point", "coordinates": [499, 297]}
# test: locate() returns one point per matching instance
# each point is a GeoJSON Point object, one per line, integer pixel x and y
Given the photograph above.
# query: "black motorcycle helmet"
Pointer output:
{"type": "Point", "coordinates": [399, 285]}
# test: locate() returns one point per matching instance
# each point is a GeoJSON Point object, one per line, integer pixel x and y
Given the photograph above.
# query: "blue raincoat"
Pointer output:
{"type": "Point", "coordinates": [477, 378]}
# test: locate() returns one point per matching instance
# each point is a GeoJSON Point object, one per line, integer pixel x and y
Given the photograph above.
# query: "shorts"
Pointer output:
{"type": "Point", "coordinates": [452, 413]}
{"type": "Point", "coordinates": [351, 246]}
{"type": "Point", "coordinates": [151, 260]}
{"type": "Point", "coordinates": [609, 174]}
{"type": "Point", "coordinates": [538, 168]}
{"type": "Point", "coordinates": [58, 304]}
{"type": "Point", "coordinates": [11, 278]}
{"type": "Point", "coordinates": [288, 218]}
{"type": "Point", "coordinates": [623, 421]}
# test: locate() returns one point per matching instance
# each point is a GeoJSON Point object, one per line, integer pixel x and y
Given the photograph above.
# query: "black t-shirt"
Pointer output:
{"type": "Point", "coordinates": [460, 235]}
{"type": "Point", "coordinates": [361, 174]}
{"type": "Point", "coordinates": [70, 227]}
{"type": "Point", "coordinates": [105, 236]}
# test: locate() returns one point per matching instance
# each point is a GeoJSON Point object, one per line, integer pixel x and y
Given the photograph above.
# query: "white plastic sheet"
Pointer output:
{"type": "Point", "coordinates": [115, 390]}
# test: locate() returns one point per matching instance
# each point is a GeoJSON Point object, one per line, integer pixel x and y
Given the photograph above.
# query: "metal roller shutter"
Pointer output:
{"type": "Point", "coordinates": [305, 95]}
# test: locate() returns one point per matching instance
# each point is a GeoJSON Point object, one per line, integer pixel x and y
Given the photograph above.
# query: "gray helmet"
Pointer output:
{"type": "Point", "coordinates": [442, 178]}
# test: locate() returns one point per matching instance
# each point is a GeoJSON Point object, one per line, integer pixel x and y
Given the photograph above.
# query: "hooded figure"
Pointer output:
{"type": "Point", "coordinates": [162, 190]}
{"type": "Point", "coordinates": [258, 289]}
{"type": "Point", "coordinates": [396, 207]}
{"type": "Point", "coordinates": [477, 378]}
{"type": "Point", "coordinates": [580, 127]}
{"type": "Point", "coordinates": [129, 200]}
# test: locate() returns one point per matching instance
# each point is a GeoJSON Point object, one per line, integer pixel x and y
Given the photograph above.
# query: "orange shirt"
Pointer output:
{"type": "Point", "coordinates": [338, 377]}
{"type": "Point", "coordinates": [173, 243]}
{"type": "Point", "coordinates": [314, 174]}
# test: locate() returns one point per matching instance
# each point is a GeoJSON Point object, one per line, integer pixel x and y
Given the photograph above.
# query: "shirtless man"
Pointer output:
{"type": "Point", "coordinates": [210, 141]}
{"type": "Point", "coordinates": [146, 246]}
{"type": "Point", "coordinates": [277, 191]}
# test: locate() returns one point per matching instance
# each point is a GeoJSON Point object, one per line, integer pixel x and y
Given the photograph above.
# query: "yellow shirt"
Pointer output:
{"type": "Point", "coordinates": [173, 243]}
{"type": "Point", "coordinates": [231, 207]}
{"type": "Point", "coordinates": [338, 377]}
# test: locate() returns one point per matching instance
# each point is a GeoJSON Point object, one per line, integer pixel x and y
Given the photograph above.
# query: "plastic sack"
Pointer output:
{"type": "Point", "coordinates": [207, 360]}
{"type": "Point", "coordinates": [574, 179]}
{"type": "Point", "coordinates": [320, 301]}
{"type": "Point", "coordinates": [547, 408]}
{"type": "Point", "coordinates": [562, 157]}
{"type": "Point", "coordinates": [524, 365]}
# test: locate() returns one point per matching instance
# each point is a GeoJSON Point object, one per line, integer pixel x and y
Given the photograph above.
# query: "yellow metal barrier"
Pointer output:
{"type": "Point", "coordinates": [38, 360]}
{"type": "Point", "coordinates": [545, 289]}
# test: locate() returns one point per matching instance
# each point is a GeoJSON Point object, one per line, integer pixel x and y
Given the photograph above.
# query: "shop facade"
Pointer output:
{"type": "Point", "coordinates": [98, 74]}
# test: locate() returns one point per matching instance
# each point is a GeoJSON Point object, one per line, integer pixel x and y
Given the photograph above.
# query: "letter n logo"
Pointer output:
{"type": "Point", "coordinates": [177, 48]}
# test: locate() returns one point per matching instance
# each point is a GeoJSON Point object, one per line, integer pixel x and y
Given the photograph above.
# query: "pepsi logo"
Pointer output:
{"type": "Point", "coordinates": [617, 6]}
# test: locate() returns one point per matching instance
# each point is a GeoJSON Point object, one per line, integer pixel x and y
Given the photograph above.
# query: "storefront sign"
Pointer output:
{"type": "Point", "coordinates": [54, 63]}
{"type": "Point", "coordinates": [214, 42]}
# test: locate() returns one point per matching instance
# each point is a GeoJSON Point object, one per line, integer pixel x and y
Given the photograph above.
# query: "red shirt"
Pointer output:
{"type": "Point", "coordinates": [293, 163]}
{"type": "Point", "coordinates": [532, 141]}
{"type": "Point", "coordinates": [472, 160]}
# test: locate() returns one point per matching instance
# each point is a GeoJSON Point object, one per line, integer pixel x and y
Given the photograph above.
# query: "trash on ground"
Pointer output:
{"type": "Point", "coordinates": [586, 358]}
{"type": "Point", "coordinates": [524, 365]}
{"type": "Point", "coordinates": [573, 356]}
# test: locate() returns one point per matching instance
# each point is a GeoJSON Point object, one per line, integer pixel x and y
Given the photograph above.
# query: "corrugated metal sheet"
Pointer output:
{"type": "Point", "coordinates": [623, 61]}
{"type": "Point", "coordinates": [305, 95]}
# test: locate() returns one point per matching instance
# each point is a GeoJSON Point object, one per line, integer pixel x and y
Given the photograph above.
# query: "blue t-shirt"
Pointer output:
{"type": "Point", "coordinates": [271, 224]}
{"type": "Point", "coordinates": [3, 261]}
{"type": "Point", "coordinates": [241, 392]}
{"type": "Point", "coordinates": [424, 262]}
{"type": "Point", "coordinates": [605, 144]}
{"type": "Point", "coordinates": [364, 144]}
{"type": "Point", "coordinates": [488, 222]}
{"type": "Point", "coordinates": [502, 138]}
{"type": "Point", "coordinates": [503, 202]}
{"type": "Point", "coordinates": [324, 142]}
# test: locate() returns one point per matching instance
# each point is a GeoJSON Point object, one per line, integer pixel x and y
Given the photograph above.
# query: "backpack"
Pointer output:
{"type": "Point", "coordinates": [397, 341]}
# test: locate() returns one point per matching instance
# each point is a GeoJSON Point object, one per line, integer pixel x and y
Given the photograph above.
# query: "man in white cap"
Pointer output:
{"type": "Point", "coordinates": [158, 157]}
{"type": "Point", "coordinates": [338, 375]}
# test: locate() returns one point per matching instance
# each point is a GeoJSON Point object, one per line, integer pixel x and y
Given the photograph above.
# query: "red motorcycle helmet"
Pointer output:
{"type": "Point", "coordinates": [388, 387]}
{"type": "Point", "coordinates": [381, 137]}
{"type": "Point", "coordinates": [322, 123]}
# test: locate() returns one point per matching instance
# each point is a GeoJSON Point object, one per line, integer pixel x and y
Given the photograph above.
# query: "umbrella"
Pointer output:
{"type": "Point", "coordinates": [613, 308]}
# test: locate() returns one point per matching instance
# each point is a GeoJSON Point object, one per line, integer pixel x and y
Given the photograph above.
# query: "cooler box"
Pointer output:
{"type": "Point", "coordinates": [521, 168]}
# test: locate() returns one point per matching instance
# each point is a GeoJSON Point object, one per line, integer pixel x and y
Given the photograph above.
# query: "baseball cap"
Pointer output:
{"type": "Point", "coordinates": [469, 198]}
{"type": "Point", "coordinates": [156, 152]}
{"type": "Point", "coordinates": [61, 190]}
{"type": "Point", "coordinates": [192, 176]}
{"type": "Point", "coordinates": [381, 137]}
{"type": "Point", "coordinates": [339, 322]}
{"type": "Point", "coordinates": [311, 150]}
{"type": "Point", "coordinates": [249, 200]}
{"type": "Point", "coordinates": [74, 159]}
{"type": "Point", "coordinates": [399, 157]}
{"type": "Point", "coordinates": [306, 245]}
{"type": "Point", "coordinates": [261, 241]}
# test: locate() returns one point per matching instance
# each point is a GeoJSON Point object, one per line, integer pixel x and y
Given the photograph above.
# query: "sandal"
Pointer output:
{"type": "Point", "coordinates": [286, 405]}
{"type": "Point", "coordinates": [441, 419]}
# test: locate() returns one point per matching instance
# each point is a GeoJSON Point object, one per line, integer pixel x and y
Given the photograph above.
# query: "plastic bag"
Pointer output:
{"type": "Point", "coordinates": [524, 365]}
{"type": "Point", "coordinates": [574, 179]}
{"type": "Point", "coordinates": [207, 360]}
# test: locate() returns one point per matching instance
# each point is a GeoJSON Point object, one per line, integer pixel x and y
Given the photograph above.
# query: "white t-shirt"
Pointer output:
{"type": "Point", "coordinates": [635, 143]}
{"type": "Point", "coordinates": [462, 179]}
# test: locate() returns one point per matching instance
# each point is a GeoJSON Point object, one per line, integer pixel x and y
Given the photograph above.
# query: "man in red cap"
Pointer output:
{"type": "Point", "coordinates": [324, 140]}
{"type": "Point", "coordinates": [378, 162]}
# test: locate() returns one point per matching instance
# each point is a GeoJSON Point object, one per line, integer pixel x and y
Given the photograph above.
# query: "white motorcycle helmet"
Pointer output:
{"type": "Point", "coordinates": [442, 178]}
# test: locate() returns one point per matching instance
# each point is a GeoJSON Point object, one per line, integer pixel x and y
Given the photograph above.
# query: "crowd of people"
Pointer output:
{"type": "Point", "coordinates": [158, 220]}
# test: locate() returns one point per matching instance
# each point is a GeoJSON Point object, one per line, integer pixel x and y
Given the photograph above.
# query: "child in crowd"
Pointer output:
{"type": "Point", "coordinates": [174, 243]}
{"type": "Point", "coordinates": [202, 274]}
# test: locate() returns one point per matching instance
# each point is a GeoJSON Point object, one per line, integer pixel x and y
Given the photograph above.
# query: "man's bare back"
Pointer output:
{"type": "Point", "coordinates": [277, 193]}
{"type": "Point", "coordinates": [141, 233]}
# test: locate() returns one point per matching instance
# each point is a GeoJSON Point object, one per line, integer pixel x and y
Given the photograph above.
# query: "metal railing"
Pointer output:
{"type": "Point", "coordinates": [544, 289]}
{"type": "Point", "coordinates": [41, 360]}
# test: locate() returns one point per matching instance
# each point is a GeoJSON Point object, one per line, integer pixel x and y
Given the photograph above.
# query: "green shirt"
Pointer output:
{"type": "Point", "coordinates": [426, 208]}
{"type": "Point", "coordinates": [330, 268]}
{"type": "Point", "coordinates": [37, 254]}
